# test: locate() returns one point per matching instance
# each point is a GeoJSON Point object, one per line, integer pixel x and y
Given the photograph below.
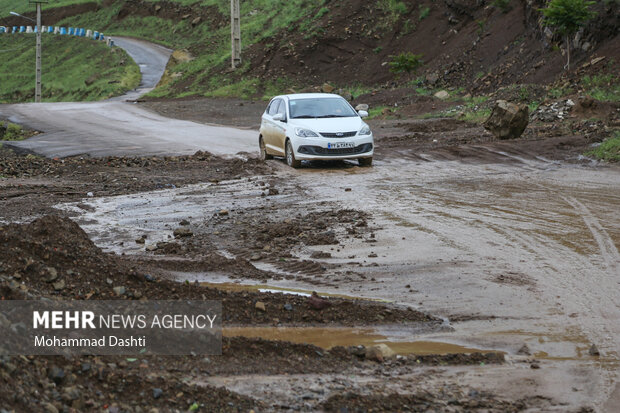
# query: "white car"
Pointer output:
{"type": "Point", "coordinates": [312, 126]}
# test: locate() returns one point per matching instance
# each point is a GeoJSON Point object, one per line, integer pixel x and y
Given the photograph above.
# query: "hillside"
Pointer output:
{"type": "Point", "coordinates": [464, 44]}
{"type": "Point", "coordinates": [74, 69]}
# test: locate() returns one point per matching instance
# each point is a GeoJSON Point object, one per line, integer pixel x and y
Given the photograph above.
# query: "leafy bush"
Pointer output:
{"type": "Point", "coordinates": [567, 16]}
{"type": "Point", "coordinates": [405, 62]}
{"type": "Point", "coordinates": [424, 12]}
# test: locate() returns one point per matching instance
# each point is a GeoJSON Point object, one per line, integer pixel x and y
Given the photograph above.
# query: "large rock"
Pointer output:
{"type": "Point", "coordinates": [507, 120]}
{"type": "Point", "coordinates": [379, 353]}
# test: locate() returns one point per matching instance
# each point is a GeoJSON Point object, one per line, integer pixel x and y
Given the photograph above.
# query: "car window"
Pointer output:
{"type": "Point", "coordinates": [282, 108]}
{"type": "Point", "coordinates": [273, 107]}
{"type": "Point", "coordinates": [321, 108]}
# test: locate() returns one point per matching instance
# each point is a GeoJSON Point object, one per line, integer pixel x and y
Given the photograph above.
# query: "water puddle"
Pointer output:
{"type": "Point", "coordinates": [331, 337]}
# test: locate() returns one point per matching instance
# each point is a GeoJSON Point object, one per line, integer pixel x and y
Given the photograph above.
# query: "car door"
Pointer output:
{"type": "Point", "coordinates": [267, 126]}
{"type": "Point", "coordinates": [279, 131]}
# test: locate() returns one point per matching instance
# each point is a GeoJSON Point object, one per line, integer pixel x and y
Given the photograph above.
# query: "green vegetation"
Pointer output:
{"type": "Point", "coordinates": [377, 50]}
{"type": "Point", "coordinates": [568, 16]}
{"type": "Point", "coordinates": [322, 12]}
{"type": "Point", "coordinates": [424, 12]}
{"type": "Point", "coordinates": [393, 8]}
{"type": "Point", "coordinates": [605, 88]}
{"type": "Point", "coordinates": [12, 132]}
{"type": "Point", "coordinates": [503, 5]}
{"type": "Point", "coordinates": [558, 92]}
{"type": "Point", "coordinates": [206, 74]}
{"type": "Point", "coordinates": [74, 69]}
{"type": "Point", "coordinates": [408, 27]}
{"type": "Point", "coordinates": [405, 62]}
{"type": "Point", "coordinates": [609, 150]}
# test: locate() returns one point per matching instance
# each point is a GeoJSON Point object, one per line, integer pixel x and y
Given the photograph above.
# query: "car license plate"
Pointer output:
{"type": "Point", "coordinates": [340, 145]}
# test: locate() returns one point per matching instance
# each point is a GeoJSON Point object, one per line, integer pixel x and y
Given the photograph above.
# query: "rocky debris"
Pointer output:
{"type": "Point", "coordinates": [555, 111]}
{"type": "Point", "coordinates": [288, 307]}
{"type": "Point", "coordinates": [442, 94]}
{"type": "Point", "coordinates": [260, 306]}
{"type": "Point", "coordinates": [507, 120]}
{"type": "Point", "coordinates": [524, 350]}
{"type": "Point", "coordinates": [184, 222]}
{"type": "Point", "coordinates": [327, 88]}
{"type": "Point", "coordinates": [320, 255]}
{"type": "Point", "coordinates": [52, 274]}
{"type": "Point", "coordinates": [432, 78]}
{"type": "Point", "coordinates": [379, 353]}
{"type": "Point", "coordinates": [182, 232]}
{"type": "Point", "coordinates": [59, 285]}
{"type": "Point", "coordinates": [120, 290]}
{"type": "Point", "coordinates": [318, 303]}
{"type": "Point", "coordinates": [56, 374]}
{"type": "Point", "coordinates": [196, 21]}
{"type": "Point", "coordinates": [157, 393]}
{"type": "Point", "coordinates": [593, 351]}
{"type": "Point", "coordinates": [362, 106]}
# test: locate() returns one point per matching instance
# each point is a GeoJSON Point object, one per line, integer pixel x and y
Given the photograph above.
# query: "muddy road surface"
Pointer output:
{"type": "Point", "coordinates": [514, 253]}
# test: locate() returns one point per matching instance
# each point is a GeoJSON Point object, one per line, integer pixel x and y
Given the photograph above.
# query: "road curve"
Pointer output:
{"type": "Point", "coordinates": [117, 127]}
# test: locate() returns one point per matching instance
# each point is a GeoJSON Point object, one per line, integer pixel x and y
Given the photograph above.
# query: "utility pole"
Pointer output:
{"type": "Point", "coordinates": [37, 85]}
{"type": "Point", "coordinates": [235, 31]}
{"type": "Point", "coordinates": [37, 88]}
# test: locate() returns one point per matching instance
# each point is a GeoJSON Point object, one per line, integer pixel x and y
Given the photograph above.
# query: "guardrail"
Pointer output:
{"type": "Point", "coordinates": [58, 30]}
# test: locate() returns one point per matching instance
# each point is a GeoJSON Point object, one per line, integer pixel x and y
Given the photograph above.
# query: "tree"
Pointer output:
{"type": "Point", "coordinates": [568, 16]}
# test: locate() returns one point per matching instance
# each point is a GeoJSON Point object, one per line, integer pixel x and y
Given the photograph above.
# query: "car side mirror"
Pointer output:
{"type": "Point", "coordinates": [362, 113]}
{"type": "Point", "coordinates": [279, 117]}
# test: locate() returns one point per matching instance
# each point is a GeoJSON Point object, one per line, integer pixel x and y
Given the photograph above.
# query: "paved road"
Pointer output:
{"type": "Point", "coordinates": [118, 126]}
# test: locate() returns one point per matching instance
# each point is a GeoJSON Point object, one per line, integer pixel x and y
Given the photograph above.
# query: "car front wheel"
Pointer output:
{"type": "Point", "coordinates": [290, 156]}
{"type": "Point", "coordinates": [263, 150]}
{"type": "Point", "coordinates": [365, 161]}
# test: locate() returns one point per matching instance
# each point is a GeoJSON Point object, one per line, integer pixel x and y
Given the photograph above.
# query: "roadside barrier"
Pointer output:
{"type": "Point", "coordinates": [63, 31]}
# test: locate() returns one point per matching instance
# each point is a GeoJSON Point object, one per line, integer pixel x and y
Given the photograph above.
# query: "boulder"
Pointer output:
{"type": "Point", "coordinates": [442, 94]}
{"type": "Point", "coordinates": [508, 120]}
{"type": "Point", "coordinates": [379, 353]}
{"type": "Point", "coordinates": [327, 88]}
{"type": "Point", "coordinates": [362, 106]}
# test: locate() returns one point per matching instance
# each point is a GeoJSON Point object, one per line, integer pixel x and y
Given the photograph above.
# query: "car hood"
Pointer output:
{"type": "Point", "coordinates": [329, 124]}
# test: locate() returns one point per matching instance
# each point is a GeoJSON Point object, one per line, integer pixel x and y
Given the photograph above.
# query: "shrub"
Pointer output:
{"type": "Point", "coordinates": [424, 12]}
{"type": "Point", "coordinates": [567, 16]}
{"type": "Point", "coordinates": [405, 62]}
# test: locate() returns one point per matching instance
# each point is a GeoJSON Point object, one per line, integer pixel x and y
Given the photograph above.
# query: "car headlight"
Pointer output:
{"type": "Point", "coordinates": [305, 133]}
{"type": "Point", "coordinates": [365, 130]}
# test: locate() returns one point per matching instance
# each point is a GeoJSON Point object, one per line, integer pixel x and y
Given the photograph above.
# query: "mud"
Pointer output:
{"type": "Point", "coordinates": [454, 253]}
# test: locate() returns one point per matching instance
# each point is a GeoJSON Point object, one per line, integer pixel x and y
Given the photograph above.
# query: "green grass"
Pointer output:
{"type": "Point", "coordinates": [12, 132]}
{"type": "Point", "coordinates": [603, 87]}
{"type": "Point", "coordinates": [424, 12]}
{"type": "Point", "coordinates": [609, 150]}
{"type": "Point", "coordinates": [207, 74]}
{"type": "Point", "coordinates": [73, 69]}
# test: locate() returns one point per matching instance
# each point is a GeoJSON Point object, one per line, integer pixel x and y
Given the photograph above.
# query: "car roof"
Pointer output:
{"type": "Point", "coordinates": [309, 96]}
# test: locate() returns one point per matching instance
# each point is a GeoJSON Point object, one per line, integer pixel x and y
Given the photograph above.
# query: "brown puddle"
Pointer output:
{"type": "Point", "coordinates": [228, 286]}
{"type": "Point", "coordinates": [331, 337]}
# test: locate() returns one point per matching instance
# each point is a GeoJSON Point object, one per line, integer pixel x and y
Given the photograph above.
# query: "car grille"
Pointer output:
{"type": "Point", "coordinates": [317, 150]}
{"type": "Point", "coordinates": [338, 134]}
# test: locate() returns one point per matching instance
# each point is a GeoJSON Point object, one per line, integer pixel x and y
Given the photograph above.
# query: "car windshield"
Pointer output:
{"type": "Point", "coordinates": [320, 108]}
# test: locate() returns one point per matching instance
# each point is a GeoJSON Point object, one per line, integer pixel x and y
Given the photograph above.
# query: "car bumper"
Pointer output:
{"type": "Point", "coordinates": [319, 148]}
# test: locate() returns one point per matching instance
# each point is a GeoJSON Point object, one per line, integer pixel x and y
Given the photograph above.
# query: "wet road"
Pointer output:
{"type": "Point", "coordinates": [518, 253]}
{"type": "Point", "coordinates": [117, 127]}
